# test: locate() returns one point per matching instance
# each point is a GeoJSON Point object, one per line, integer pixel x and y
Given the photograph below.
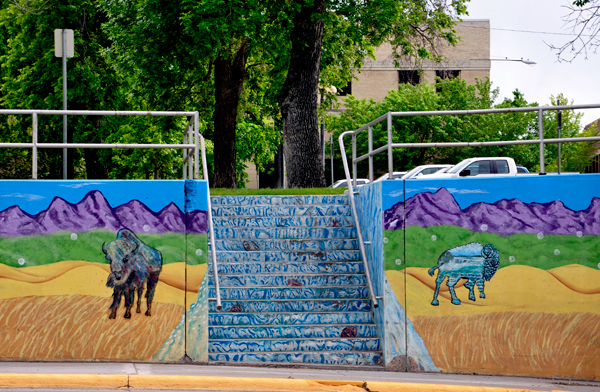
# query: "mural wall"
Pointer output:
{"type": "Point", "coordinates": [497, 275]}
{"type": "Point", "coordinates": [96, 270]}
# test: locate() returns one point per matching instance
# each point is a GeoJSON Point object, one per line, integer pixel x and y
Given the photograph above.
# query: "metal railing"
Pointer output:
{"type": "Point", "coordinates": [191, 152]}
{"type": "Point", "coordinates": [351, 180]}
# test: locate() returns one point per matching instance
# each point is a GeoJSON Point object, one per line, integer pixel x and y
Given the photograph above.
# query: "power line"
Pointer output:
{"type": "Point", "coordinates": [528, 31]}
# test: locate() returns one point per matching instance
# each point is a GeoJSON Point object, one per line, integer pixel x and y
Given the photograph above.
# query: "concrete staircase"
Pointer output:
{"type": "Point", "coordinates": [292, 283]}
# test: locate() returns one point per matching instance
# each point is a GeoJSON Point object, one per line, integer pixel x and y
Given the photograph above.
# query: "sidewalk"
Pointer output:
{"type": "Point", "coordinates": [244, 378]}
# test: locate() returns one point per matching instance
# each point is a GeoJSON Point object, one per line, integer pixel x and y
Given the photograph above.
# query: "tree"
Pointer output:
{"type": "Point", "coordinates": [195, 55]}
{"type": "Point", "coordinates": [455, 94]}
{"type": "Point", "coordinates": [414, 28]}
{"type": "Point", "coordinates": [583, 19]}
{"type": "Point", "coordinates": [32, 79]}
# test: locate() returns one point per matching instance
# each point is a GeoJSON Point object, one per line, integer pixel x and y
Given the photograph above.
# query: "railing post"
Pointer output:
{"type": "Point", "coordinates": [34, 137]}
{"type": "Point", "coordinates": [353, 159]}
{"type": "Point", "coordinates": [370, 151]}
{"type": "Point", "coordinates": [196, 150]}
{"type": "Point", "coordinates": [390, 150]}
{"type": "Point", "coordinates": [541, 135]}
{"type": "Point", "coordinates": [187, 127]}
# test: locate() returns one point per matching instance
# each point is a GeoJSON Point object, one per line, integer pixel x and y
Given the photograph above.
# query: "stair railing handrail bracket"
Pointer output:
{"type": "Point", "coordinates": [193, 142]}
{"type": "Point", "coordinates": [351, 179]}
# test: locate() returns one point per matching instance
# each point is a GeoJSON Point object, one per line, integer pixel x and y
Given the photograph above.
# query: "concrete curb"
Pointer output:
{"type": "Point", "coordinates": [99, 381]}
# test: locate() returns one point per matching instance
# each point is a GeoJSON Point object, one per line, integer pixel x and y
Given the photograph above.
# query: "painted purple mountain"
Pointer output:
{"type": "Point", "coordinates": [94, 212]}
{"type": "Point", "coordinates": [504, 217]}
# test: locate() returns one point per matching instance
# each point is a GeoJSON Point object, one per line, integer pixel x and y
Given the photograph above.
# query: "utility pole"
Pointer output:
{"type": "Point", "coordinates": [64, 47]}
{"type": "Point", "coordinates": [559, 126]}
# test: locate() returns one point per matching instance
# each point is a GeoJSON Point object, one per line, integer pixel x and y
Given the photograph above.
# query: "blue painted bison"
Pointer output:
{"type": "Point", "coordinates": [133, 264]}
{"type": "Point", "coordinates": [474, 262]}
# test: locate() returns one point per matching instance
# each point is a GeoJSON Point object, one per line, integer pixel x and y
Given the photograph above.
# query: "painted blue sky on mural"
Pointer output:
{"type": "Point", "coordinates": [528, 189]}
{"type": "Point", "coordinates": [34, 196]}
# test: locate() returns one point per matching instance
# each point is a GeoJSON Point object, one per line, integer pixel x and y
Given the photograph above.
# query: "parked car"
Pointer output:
{"type": "Point", "coordinates": [397, 175]}
{"type": "Point", "coordinates": [479, 167]}
{"type": "Point", "coordinates": [522, 169]}
{"type": "Point", "coordinates": [424, 170]}
{"type": "Point", "coordinates": [344, 183]}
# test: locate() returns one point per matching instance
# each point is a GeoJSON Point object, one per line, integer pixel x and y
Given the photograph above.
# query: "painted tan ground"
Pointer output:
{"type": "Point", "coordinates": [572, 288]}
{"type": "Point", "coordinates": [223, 383]}
{"type": "Point", "coordinates": [531, 323]}
{"type": "Point", "coordinates": [83, 278]}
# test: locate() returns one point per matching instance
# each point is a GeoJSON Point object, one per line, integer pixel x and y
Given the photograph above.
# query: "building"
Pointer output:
{"type": "Point", "coordinates": [469, 60]}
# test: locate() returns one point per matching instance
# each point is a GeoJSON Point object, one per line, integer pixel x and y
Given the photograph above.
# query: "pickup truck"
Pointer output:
{"type": "Point", "coordinates": [480, 167]}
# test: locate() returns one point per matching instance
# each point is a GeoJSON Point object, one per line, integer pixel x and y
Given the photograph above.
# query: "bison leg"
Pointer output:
{"type": "Point", "coordinates": [451, 283]}
{"type": "Point", "coordinates": [470, 285]}
{"type": "Point", "coordinates": [481, 286]}
{"type": "Point", "coordinates": [152, 281]}
{"type": "Point", "coordinates": [140, 290]}
{"type": "Point", "coordinates": [438, 282]}
{"type": "Point", "coordinates": [129, 298]}
{"type": "Point", "coordinates": [115, 304]}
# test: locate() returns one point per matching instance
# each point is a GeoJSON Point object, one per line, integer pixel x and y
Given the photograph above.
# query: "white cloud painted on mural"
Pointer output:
{"type": "Point", "coordinates": [77, 186]}
{"type": "Point", "coordinates": [27, 196]}
{"type": "Point", "coordinates": [435, 189]}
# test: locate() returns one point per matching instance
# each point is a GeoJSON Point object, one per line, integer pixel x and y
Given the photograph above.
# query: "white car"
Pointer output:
{"type": "Point", "coordinates": [344, 183]}
{"type": "Point", "coordinates": [424, 170]}
{"type": "Point", "coordinates": [479, 167]}
{"type": "Point", "coordinates": [397, 175]}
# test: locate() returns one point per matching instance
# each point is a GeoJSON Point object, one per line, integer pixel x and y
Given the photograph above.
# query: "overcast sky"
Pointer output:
{"type": "Point", "coordinates": [578, 81]}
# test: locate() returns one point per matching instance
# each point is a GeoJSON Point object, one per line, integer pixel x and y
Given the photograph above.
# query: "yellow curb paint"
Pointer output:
{"type": "Point", "coordinates": [63, 381]}
{"type": "Point", "coordinates": [241, 384]}
{"type": "Point", "coordinates": [412, 387]}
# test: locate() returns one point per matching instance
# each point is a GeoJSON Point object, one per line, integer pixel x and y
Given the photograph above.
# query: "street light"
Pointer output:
{"type": "Point", "coordinates": [522, 60]}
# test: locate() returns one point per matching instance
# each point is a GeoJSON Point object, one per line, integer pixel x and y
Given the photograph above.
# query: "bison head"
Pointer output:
{"type": "Point", "coordinates": [120, 253]}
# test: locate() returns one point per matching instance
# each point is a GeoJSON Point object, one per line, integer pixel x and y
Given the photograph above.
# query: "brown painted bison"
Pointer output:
{"type": "Point", "coordinates": [133, 264]}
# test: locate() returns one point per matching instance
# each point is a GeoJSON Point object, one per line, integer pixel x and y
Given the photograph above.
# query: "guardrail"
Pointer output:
{"type": "Point", "coordinates": [191, 152]}
{"type": "Point", "coordinates": [390, 146]}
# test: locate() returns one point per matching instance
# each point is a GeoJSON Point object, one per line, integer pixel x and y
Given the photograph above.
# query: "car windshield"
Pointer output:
{"type": "Point", "coordinates": [459, 167]}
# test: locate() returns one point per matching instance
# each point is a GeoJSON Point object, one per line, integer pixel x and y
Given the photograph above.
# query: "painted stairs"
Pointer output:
{"type": "Point", "coordinates": [293, 288]}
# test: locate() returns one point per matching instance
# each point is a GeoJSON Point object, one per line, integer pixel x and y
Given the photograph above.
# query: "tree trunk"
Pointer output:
{"type": "Point", "coordinates": [93, 168]}
{"type": "Point", "coordinates": [229, 80]}
{"type": "Point", "coordinates": [299, 104]}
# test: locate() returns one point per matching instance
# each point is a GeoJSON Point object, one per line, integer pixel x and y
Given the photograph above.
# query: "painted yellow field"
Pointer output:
{"type": "Point", "coordinates": [573, 288]}
{"type": "Point", "coordinates": [532, 322]}
{"type": "Point", "coordinates": [60, 311]}
{"type": "Point", "coordinates": [83, 278]}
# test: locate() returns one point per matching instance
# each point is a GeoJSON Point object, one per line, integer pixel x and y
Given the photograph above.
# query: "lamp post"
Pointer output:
{"type": "Point", "coordinates": [521, 60]}
{"type": "Point", "coordinates": [64, 47]}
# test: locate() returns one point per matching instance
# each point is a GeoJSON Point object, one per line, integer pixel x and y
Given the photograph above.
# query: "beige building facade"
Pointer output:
{"type": "Point", "coordinates": [469, 60]}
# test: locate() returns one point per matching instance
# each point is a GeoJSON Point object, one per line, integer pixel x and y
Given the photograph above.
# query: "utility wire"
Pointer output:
{"type": "Point", "coordinates": [526, 31]}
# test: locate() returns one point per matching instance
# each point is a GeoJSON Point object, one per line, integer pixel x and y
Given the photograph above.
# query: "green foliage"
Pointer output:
{"type": "Point", "coordinates": [454, 94]}
{"type": "Point", "coordinates": [421, 251]}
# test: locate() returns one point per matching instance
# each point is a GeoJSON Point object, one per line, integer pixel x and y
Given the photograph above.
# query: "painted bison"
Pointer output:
{"type": "Point", "coordinates": [133, 264]}
{"type": "Point", "coordinates": [474, 262]}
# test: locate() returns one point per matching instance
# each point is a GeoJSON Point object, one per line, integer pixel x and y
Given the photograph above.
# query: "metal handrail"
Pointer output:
{"type": "Point", "coordinates": [190, 160]}
{"type": "Point", "coordinates": [351, 180]}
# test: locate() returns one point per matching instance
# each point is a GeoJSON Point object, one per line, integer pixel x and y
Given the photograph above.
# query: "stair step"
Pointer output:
{"type": "Point", "coordinates": [282, 211]}
{"type": "Point", "coordinates": [289, 331]}
{"type": "Point", "coordinates": [368, 358]}
{"type": "Point", "coordinates": [285, 233]}
{"type": "Point", "coordinates": [286, 256]}
{"type": "Point", "coordinates": [279, 268]}
{"type": "Point", "coordinates": [290, 318]}
{"type": "Point", "coordinates": [278, 200]}
{"type": "Point", "coordinates": [297, 221]}
{"type": "Point", "coordinates": [308, 245]}
{"type": "Point", "coordinates": [295, 305]}
{"type": "Point", "coordinates": [314, 280]}
{"type": "Point", "coordinates": [286, 345]}
{"type": "Point", "coordinates": [288, 293]}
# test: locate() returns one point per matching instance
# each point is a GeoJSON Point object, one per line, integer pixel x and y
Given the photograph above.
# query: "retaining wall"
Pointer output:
{"type": "Point", "coordinates": [54, 274]}
{"type": "Point", "coordinates": [522, 255]}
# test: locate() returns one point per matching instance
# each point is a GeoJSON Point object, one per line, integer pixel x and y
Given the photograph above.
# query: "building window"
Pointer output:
{"type": "Point", "coordinates": [406, 77]}
{"type": "Point", "coordinates": [446, 74]}
{"type": "Point", "coordinates": [345, 90]}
